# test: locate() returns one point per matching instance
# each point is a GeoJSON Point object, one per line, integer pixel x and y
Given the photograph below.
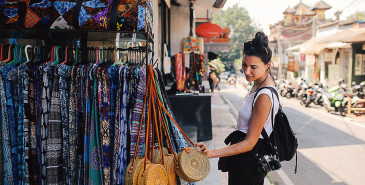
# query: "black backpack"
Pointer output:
{"type": "Point", "coordinates": [282, 135]}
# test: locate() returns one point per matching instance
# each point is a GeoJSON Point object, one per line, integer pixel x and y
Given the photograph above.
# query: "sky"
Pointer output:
{"type": "Point", "coordinates": [266, 12]}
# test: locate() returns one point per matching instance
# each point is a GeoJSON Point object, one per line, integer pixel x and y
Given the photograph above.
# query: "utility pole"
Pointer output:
{"type": "Point", "coordinates": [191, 8]}
{"type": "Point", "coordinates": [280, 53]}
{"type": "Point", "coordinates": [314, 26]}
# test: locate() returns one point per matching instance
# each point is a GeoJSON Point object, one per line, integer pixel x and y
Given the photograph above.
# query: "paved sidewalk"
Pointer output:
{"type": "Point", "coordinates": [223, 123]}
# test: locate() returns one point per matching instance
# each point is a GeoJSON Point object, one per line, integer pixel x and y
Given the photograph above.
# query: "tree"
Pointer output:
{"type": "Point", "coordinates": [357, 16]}
{"type": "Point", "coordinates": [241, 28]}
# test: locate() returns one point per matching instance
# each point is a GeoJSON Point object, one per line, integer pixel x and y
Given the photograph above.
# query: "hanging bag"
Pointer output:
{"type": "Point", "coordinates": [193, 165]}
{"type": "Point", "coordinates": [153, 173]}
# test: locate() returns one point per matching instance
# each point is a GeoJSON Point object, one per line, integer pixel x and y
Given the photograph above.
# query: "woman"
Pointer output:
{"type": "Point", "coordinates": [247, 144]}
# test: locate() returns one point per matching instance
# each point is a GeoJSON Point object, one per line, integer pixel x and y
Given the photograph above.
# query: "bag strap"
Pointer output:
{"type": "Point", "coordinates": [263, 132]}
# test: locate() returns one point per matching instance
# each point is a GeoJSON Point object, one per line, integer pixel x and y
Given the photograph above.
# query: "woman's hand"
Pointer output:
{"type": "Point", "coordinates": [204, 148]}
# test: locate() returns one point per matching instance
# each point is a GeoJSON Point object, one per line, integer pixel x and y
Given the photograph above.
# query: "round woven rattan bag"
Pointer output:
{"type": "Point", "coordinates": [131, 178]}
{"type": "Point", "coordinates": [155, 174]}
{"type": "Point", "coordinates": [169, 162]}
{"type": "Point", "coordinates": [193, 165]}
{"type": "Point", "coordinates": [157, 156]}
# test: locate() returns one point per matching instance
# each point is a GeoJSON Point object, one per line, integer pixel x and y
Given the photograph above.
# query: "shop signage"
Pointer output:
{"type": "Point", "coordinates": [209, 30]}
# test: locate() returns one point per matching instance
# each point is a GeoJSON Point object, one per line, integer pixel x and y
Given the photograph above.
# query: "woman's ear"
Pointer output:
{"type": "Point", "coordinates": [268, 65]}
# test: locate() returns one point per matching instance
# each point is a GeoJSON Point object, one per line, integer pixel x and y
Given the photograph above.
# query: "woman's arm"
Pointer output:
{"type": "Point", "coordinates": [259, 116]}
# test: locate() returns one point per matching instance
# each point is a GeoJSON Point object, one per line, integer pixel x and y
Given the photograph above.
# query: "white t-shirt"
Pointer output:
{"type": "Point", "coordinates": [245, 111]}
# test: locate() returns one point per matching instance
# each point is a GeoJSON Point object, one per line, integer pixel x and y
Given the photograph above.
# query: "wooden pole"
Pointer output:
{"type": "Point", "coordinates": [349, 108]}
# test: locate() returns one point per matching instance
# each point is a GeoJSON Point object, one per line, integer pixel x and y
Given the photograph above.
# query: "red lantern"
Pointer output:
{"type": "Point", "coordinates": [209, 30]}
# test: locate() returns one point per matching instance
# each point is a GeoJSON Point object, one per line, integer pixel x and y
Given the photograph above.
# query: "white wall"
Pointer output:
{"type": "Point", "coordinates": [180, 27]}
{"type": "Point", "coordinates": [155, 31]}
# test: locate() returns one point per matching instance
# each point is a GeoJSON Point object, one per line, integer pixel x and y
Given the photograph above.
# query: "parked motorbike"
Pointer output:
{"type": "Point", "coordinates": [307, 96]}
{"type": "Point", "coordinates": [318, 89]}
{"type": "Point", "coordinates": [358, 93]}
{"type": "Point", "coordinates": [301, 90]}
{"type": "Point", "coordinates": [289, 91]}
{"type": "Point", "coordinates": [334, 96]}
{"type": "Point", "coordinates": [298, 88]}
{"type": "Point", "coordinates": [282, 88]}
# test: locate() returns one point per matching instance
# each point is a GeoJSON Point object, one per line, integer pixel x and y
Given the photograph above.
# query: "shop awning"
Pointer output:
{"type": "Point", "coordinates": [294, 48]}
{"type": "Point", "coordinates": [356, 39]}
{"type": "Point", "coordinates": [313, 45]}
{"type": "Point", "coordinates": [340, 39]}
{"type": "Point", "coordinates": [338, 45]}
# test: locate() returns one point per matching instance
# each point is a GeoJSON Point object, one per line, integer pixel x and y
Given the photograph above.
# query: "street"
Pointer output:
{"type": "Point", "coordinates": [331, 148]}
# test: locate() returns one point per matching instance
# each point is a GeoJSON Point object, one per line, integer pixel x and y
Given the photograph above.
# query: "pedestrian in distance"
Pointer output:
{"type": "Point", "coordinates": [246, 142]}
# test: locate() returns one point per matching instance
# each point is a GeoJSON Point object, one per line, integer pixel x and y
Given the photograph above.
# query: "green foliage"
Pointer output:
{"type": "Point", "coordinates": [238, 61]}
{"type": "Point", "coordinates": [241, 28]}
{"type": "Point", "coordinates": [217, 63]}
{"type": "Point", "coordinates": [357, 16]}
{"type": "Point", "coordinates": [238, 64]}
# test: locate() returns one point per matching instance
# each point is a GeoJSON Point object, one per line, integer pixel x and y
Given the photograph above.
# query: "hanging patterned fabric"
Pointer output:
{"type": "Point", "coordinates": [46, 98]}
{"type": "Point", "coordinates": [72, 127]}
{"type": "Point", "coordinates": [95, 174]}
{"type": "Point", "coordinates": [178, 137]}
{"type": "Point", "coordinates": [79, 96]}
{"type": "Point", "coordinates": [87, 130]}
{"type": "Point", "coordinates": [137, 114]}
{"type": "Point", "coordinates": [10, 74]}
{"type": "Point", "coordinates": [38, 14]}
{"type": "Point", "coordinates": [32, 115]}
{"type": "Point", "coordinates": [54, 135]}
{"type": "Point", "coordinates": [26, 105]}
{"type": "Point", "coordinates": [62, 14]}
{"type": "Point", "coordinates": [94, 14]}
{"type": "Point", "coordinates": [113, 73]}
{"type": "Point", "coordinates": [105, 127]}
{"type": "Point", "coordinates": [6, 138]}
{"type": "Point", "coordinates": [122, 150]}
{"type": "Point", "coordinates": [63, 72]}
{"type": "Point", "coordinates": [12, 14]}
{"type": "Point", "coordinates": [20, 124]}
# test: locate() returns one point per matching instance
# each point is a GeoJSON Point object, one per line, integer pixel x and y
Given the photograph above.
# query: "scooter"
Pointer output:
{"type": "Point", "coordinates": [307, 96]}
{"type": "Point", "coordinates": [333, 97]}
{"type": "Point", "coordinates": [289, 91]}
{"type": "Point", "coordinates": [318, 89]}
{"type": "Point", "coordinates": [282, 88]}
{"type": "Point", "coordinates": [358, 93]}
{"type": "Point", "coordinates": [301, 91]}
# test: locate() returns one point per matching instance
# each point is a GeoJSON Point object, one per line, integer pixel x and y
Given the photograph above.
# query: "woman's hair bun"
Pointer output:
{"type": "Point", "coordinates": [260, 39]}
{"type": "Point", "coordinates": [259, 46]}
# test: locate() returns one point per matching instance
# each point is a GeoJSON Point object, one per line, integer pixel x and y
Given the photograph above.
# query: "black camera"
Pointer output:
{"type": "Point", "coordinates": [268, 163]}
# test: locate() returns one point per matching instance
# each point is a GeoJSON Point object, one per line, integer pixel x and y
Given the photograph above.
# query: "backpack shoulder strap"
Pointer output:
{"type": "Point", "coordinates": [263, 132]}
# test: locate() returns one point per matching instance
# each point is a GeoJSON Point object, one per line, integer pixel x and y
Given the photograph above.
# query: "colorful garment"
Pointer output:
{"type": "Point", "coordinates": [63, 72]}
{"type": "Point", "coordinates": [8, 169]}
{"type": "Point", "coordinates": [122, 157]}
{"type": "Point", "coordinates": [26, 130]}
{"type": "Point", "coordinates": [137, 115]}
{"type": "Point", "coordinates": [46, 98]}
{"type": "Point", "coordinates": [62, 13]}
{"type": "Point", "coordinates": [31, 112]}
{"type": "Point", "coordinates": [72, 128]}
{"type": "Point", "coordinates": [95, 173]}
{"type": "Point", "coordinates": [54, 135]}
{"type": "Point", "coordinates": [10, 75]}
{"type": "Point", "coordinates": [94, 14]}
{"type": "Point", "coordinates": [105, 128]}
{"type": "Point", "coordinates": [19, 96]}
